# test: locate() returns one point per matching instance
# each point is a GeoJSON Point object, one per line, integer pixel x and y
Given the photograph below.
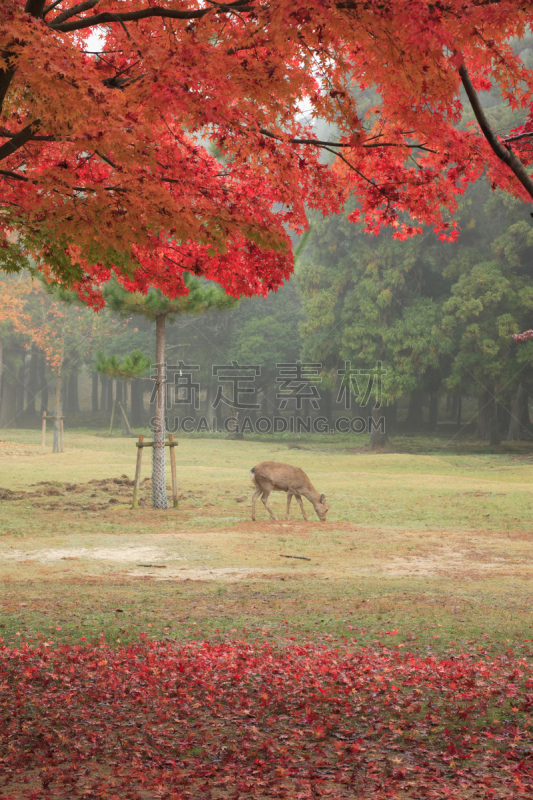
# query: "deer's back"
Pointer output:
{"type": "Point", "coordinates": [275, 475]}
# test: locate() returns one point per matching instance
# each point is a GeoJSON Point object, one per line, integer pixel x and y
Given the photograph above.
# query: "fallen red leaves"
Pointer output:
{"type": "Point", "coordinates": [237, 719]}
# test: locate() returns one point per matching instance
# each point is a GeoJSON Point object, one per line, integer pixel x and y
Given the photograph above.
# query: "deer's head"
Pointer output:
{"type": "Point", "coordinates": [321, 508]}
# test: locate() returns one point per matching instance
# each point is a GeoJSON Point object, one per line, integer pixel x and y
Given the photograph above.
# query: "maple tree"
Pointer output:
{"type": "Point", "coordinates": [104, 150]}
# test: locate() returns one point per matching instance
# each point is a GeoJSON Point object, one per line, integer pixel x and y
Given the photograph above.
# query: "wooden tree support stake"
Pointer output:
{"type": "Point", "coordinates": [137, 482]}
{"type": "Point", "coordinates": [124, 417]}
{"type": "Point", "coordinates": [112, 417]}
{"type": "Point", "coordinates": [44, 432]}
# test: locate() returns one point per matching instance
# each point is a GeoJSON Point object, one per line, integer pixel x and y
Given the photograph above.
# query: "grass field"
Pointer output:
{"type": "Point", "coordinates": [432, 545]}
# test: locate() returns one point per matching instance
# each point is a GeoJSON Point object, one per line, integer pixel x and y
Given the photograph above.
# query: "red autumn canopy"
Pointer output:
{"type": "Point", "coordinates": [183, 139]}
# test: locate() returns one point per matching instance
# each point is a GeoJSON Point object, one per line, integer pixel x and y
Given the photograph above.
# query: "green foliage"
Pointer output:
{"type": "Point", "coordinates": [133, 365]}
{"type": "Point", "coordinates": [202, 297]}
{"type": "Point", "coordinates": [369, 299]}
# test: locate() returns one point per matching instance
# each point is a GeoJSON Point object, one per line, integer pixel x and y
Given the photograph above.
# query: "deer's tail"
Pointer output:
{"type": "Point", "coordinates": [252, 475]}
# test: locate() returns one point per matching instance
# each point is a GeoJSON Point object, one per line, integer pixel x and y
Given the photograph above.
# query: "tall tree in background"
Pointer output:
{"type": "Point", "coordinates": [15, 332]}
{"type": "Point", "coordinates": [102, 166]}
{"type": "Point", "coordinates": [155, 306]}
{"type": "Point", "coordinates": [371, 301]}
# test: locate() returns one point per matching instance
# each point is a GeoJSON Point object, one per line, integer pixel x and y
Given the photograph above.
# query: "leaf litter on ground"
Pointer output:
{"type": "Point", "coordinates": [240, 719]}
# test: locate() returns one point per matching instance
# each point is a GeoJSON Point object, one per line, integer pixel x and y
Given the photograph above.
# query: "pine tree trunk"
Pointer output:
{"type": "Point", "coordinates": [94, 393]}
{"type": "Point", "coordinates": [482, 417]}
{"type": "Point", "coordinates": [378, 433]}
{"type": "Point", "coordinates": [487, 419]}
{"type": "Point", "coordinates": [494, 428]}
{"type": "Point", "coordinates": [43, 383]}
{"type": "Point", "coordinates": [73, 394]}
{"type": "Point", "coordinates": [459, 410]}
{"type": "Point", "coordinates": [415, 413]}
{"type": "Point", "coordinates": [526, 422]}
{"type": "Point", "coordinates": [33, 382]}
{"type": "Point", "coordinates": [57, 410]}
{"type": "Point", "coordinates": [21, 386]}
{"type": "Point", "coordinates": [8, 403]}
{"type": "Point", "coordinates": [65, 406]}
{"type": "Point", "coordinates": [137, 386]}
{"type": "Point", "coordinates": [103, 393]}
{"type": "Point", "coordinates": [109, 395]}
{"type": "Point", "coordinates": [159, 488]}
{"type": "Point", "coordinates": [433, 411]}
{"type": "Point", "coordinates": [392, 416]}
{"type": "Point", "coordinates": [327, 407]}
{"type": "Point", "coordinates": [118, 390]}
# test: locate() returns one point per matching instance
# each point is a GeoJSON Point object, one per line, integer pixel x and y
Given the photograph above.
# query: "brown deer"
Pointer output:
{"type": "Point", "coordinates": [271, 476]}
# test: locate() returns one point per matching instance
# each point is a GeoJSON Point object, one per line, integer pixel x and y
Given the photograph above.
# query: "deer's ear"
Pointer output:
{"type": "Point", "coordinates": [322, 498]}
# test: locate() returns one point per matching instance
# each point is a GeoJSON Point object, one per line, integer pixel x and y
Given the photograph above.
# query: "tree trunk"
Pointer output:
{"type": "Point", "coordinates": [33, 382]}
{"type": "Point", "coordinates": [378, 434]}
{"type": "Point", "coordinates": [482, 430]}
{"type": "Point", "coordinates": [159, 486]}
{"type": "Point", "coordinates": [118, 391]}
{"type": "Point", "coordinates": [503, 415]}
{"type": "Point", "coordinates": [94, 393]}
{"type": "Point", "coordinates": [103, 392]}
{"type": "Point", "coordinates": [137, 386]}
{"type": "Point", "coordinates": [487, 419]}
{"type": "Point", "coordinates": [391, 416]}
{"type": "Point", "coordinates": [526, 422]}
{"type": "Point", "coordinates": [459, 408]}
{"type": "Point", "coordinates": [433, 411]}
{"type": "Point", "coordinates": [8, 403]}
{"type": "Point", "coordinates": [21, 386]}
{"type": "Point", "coordinates": [123, 425]}
{"type": "Point", "coordinates": [415, 413]}
{"type": "Point", "coordinates": [327, 405]}
{"type": "Point", "coordinates": [73, 395]}
{"type": "Point", "coordinates": [43, 383]}
{"type": "Point", "coordinates": [109, 395]}
{"type": "Point", "coordinates": [57, 410]}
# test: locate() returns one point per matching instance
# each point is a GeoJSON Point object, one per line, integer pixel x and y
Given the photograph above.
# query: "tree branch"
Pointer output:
{"type": "Point", "coordinates": [14, 175]}
{"type": "Point", "coordinates": [35, 8]}
{"type": "Point", "coordinates": [19, 139]}
{"type": "Point", "coordinates": [9, 135]}
{"type": "Point", "coordinates": [51, 7]}
{"type": "Point", "coordinates": [146, 13]}
{"type": "Point", "coordinates": [71, 12]}
{"type": "Point", "coordinates": [517, 137]}
{"type": "Point", "coordinates": [319, 143]}
{"type": "Point", "coordinates": [504, 154]}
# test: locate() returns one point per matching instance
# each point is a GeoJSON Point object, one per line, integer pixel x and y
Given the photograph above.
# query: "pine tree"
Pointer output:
{"type": "Point", "coordinates": [155, 306]}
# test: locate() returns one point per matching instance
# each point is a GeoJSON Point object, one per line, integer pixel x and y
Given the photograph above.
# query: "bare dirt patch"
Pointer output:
{"type": "Point", "coordinates": [228, 575]}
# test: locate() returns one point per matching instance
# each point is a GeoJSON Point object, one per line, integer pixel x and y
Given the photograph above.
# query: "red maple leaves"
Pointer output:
{"type": "Point", "coordinates": [184, 140]}
{"type": "Point", "coordinates": [305, 721]}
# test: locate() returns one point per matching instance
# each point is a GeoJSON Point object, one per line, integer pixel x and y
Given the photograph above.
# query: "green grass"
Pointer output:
{"type": "Point", "coordinates": [433, 544]}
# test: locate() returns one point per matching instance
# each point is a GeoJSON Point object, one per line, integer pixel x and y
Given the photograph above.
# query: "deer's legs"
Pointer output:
{"type": "Point", "coordinates": [289, 498]}
{"type": "Point", "coordinates": [299, 501]}
{"type": "Point", "coordinates": [254, 498]}
{"type": "Point", "coordinates": [264, 500]}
